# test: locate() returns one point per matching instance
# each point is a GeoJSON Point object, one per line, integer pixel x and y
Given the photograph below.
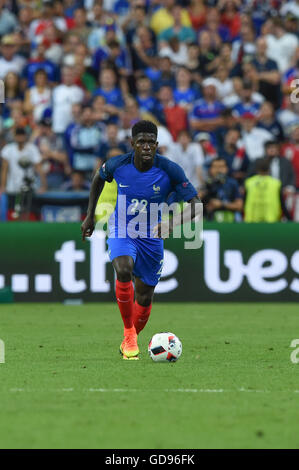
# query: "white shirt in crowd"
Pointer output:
{"type": "Point", "coordinates": [254, 142]}
{"type": "Point", "coordinates": [290, 7]}
{"type": "Point", "coordinates": [63, 99]}
{"type": "Point", "coordinates": [15, 65]}
{"type": "Point", "coordinates": [16, 173]}
{"type": "Point", "coordinates": [40, 101]}
{"type": "Point", "coordinates": [282, 49]}
{"type": "Point", "coordinates": [191, 159]}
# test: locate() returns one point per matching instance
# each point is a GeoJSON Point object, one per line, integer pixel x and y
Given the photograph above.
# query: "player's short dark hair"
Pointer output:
{"type": "Point", "coordinates": [143, 126]}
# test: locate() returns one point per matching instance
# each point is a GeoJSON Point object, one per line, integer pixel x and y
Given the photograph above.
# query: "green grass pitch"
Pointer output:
{"type": "Point", "coordinates": [64, 385]}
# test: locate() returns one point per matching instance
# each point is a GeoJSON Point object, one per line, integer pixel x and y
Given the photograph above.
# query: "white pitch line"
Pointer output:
{"type": "Point", "coordinates": [134, 390]}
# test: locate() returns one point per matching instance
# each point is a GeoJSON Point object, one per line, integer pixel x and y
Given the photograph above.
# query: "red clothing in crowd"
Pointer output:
{"type": "Point", "coordinates": [176, 119]}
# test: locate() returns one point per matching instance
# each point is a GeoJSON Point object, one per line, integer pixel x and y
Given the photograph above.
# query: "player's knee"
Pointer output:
{"type": "Point", "coordinates": [144, 299]}
{"type": "Point", "coordinates": [124, 273]}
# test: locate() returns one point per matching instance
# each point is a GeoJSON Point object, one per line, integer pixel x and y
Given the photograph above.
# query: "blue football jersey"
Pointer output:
{"type": "Point", "coordinates": [140, 193]}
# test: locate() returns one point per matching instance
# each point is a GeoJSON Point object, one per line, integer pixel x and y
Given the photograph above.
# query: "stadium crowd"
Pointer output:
{"type": "Point", "coordinates": [218, 78]}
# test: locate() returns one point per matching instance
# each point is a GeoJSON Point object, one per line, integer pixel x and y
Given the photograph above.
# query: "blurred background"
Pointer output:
{"type": "Point", "coordinates": [219, 78]}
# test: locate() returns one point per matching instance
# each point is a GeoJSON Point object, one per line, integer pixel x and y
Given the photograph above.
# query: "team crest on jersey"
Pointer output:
{"type": "Point", "coordinates": [156, 188]}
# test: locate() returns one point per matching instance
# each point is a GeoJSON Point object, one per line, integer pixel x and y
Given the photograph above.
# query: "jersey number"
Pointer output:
{"type": "Point", "coordinates": [136, 205]}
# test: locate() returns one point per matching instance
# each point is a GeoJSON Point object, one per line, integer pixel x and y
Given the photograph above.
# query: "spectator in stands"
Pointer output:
{"type": "Point", "coordinates": [178, 30]}
{"type": "Point", "coordinates": [13, 92]}
{"type": "Point", "coordinates": [115, 54]}
{"type": "Point", "coordinates": [235, 155]}
{"type": "Point", "coordinates": [291, 150]}
{"type": "Point", "coordinates": [44, 19]}
{"type": "Point", "coordinates": [213, 25]}
{"type": "Point", "coordinates": [185, 94]}
{"type": "Point", "coordinates": [85, 139]}
{"type": "Point", "coordinates": [137, 17]}
{"type": "Point", "coordinates": [10, 61]}
{"type": "Point", "coordinates": [97, 16]}
{"type": "Point", "coordinates": [143, 49]}
{"type": "Point", "coordinates": [268, 121]}
{"type": "Point", "coordinates": [245, 45]}
{"type": "Point", "coordinates": [129, 116]}
{"type": "Point", "coordinates": [25, 17]}
{"type": "Point", "coordinates": [64, 96]}
{"type": "Point", "coordinates": [110, 91]}
{"type": "Point", "coordinates": [208, 54]}
{"type": "Point", "coordinates": [189, 155]}
{"type": "Point", "coordinates": [290, 7]}
{"type": "Point", "coordinates": [70, 43]}
{"type": "Point", "coordinates": [279, 167]}
{"type": "Point", "coordinates": [206, 113]}
{"type": "Point", "coordinates": [197, 13]}
{"type": "Point", "coordinates": [39, 61]}
{"type": "Point", "coordinates": [38, 97]}
{"type": "Point", "coordinates": [253, 138]}
{"type": "Point", "coordinates": [110, 140]}
{"type": "Point", "coordinates": [264, 201]}
{"type": "Point", "coordinates": [81, 27]}
{"type": "Point", "coordinates": [54, 162]}
{"type": "Point", "coordinates": [161, 73]}
{"type": "Point", "coordinates": [175, 117]}
{"type": "Point", "coordinates": [281, 45]}
{"type": "Point", "coordinates": [76, 183]}
{"type": "Point", "coordinates": [146, 100]}
{"type": "Point", "coordinates": [16, 119]}
{"type": "Point", "coordinates": [19, 159]}
{"type": "Point", "coordinates": [8, 21]}
{"type": "Point", "coordinates": [248, 103]}
{"type": "Point", "coordinates": [208, 149]}
{"type": "Point", "coordinates": [220, 195]}
{"type": "Point", "coordinates": [225, 86]}
{"type": "Point", "coordinates": [230, 16]}
{"type": "Point", "coordinates": [175, 50]}
{"type": "Point", "coordinates": [267, 74]}
{"type": "Point", "coordinates": [106, 32]}
{"type": "Point", "coordinates": [52, 41]}
{"type": "Point", "coordinates": [100, 112]}
{"type": "Point", "coordinates": [163, 19]}
{"type": "Point", "coordinates": [193, 64]}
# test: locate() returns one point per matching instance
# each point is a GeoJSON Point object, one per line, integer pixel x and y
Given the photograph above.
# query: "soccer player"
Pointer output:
{"type": "Point", "coordinates": [143, 177]}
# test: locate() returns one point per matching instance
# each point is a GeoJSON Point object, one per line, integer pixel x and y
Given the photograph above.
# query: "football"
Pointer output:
{"type": "Point", "coordinates": [165, 347]}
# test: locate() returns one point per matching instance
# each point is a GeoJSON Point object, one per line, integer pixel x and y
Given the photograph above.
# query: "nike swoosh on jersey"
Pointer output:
{"type": "Point", "coordinates": [124, 185]}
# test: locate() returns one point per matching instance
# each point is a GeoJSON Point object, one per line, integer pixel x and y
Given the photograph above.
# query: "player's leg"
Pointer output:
{"type": "Point", "coordinates": [147, 271]}
{"type": "Point", "coordinates": [124, 291]}
{"type": "Point", "coordinates": [143, 304]}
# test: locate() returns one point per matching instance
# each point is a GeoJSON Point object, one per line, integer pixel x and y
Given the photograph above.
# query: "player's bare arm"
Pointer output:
{"type": "Point", "coordinates": [88, 224]}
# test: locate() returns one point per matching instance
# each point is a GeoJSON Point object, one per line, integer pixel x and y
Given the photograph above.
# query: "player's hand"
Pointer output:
{"type": "Point", "coordinates": [163, 229]}
{"type": "Point", "coordinates": [87, 227]}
